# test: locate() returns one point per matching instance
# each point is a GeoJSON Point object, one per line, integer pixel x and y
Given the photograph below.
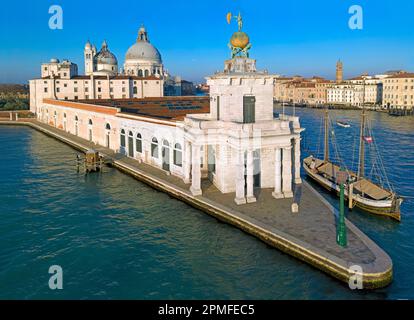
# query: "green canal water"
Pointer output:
{"type": "Point", "coordinates": [116, 238]}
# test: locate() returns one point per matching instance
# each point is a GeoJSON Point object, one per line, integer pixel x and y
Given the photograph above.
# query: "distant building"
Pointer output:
{"type": "Point", "coordinates": [399, 90]}
{"type": "Point", "coordinates": [339, 71]}
{"type": "Point", "coordinates": [202, 88]}
{"type": "Point", "coordinates": [187, 88]}
{"type": "Point", "coordinates": [55, 68]}
{"type": "Point", "coordinates": [357, 91]}
{"type": "Point", "coordinates": [300, 90]}
{"type": "Point", "coordinates": [346, 94]}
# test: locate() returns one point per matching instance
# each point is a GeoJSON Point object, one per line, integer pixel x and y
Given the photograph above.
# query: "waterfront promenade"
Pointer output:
{"type": "Point", "coordinates": [308, 235]}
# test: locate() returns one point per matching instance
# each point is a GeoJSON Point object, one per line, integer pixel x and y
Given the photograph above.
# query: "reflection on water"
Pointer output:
{"type": "Point", "coordinates": [117, 238]}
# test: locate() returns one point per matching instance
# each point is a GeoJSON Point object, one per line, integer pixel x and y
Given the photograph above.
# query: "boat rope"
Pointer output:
{"type": "Point", "coordinates": [318, 154]}
{"type": "Point", "coordinates": [338, 157]}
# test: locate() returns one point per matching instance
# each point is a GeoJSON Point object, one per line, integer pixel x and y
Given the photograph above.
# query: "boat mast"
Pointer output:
{"type": "Point", "coordinates": [326, 148]}
{"type": "Point", "coordinates": [361, 168]}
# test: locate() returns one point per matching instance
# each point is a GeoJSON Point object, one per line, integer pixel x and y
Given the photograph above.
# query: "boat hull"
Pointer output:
{"type": "Point", "coordinates": [383, 208]}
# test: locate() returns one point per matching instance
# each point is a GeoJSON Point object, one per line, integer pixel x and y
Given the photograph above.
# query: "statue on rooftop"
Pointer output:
{"type": "Point", "coordinates": [239, 42]}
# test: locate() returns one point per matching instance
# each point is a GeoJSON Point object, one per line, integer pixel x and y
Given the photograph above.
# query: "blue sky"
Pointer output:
{"type": "Point", "coordinates": [289, 37]}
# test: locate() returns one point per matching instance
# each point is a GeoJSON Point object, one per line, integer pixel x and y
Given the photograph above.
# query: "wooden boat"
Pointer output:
{"type": "Point", "coordinates": [359, 190]}
{"type": "Point", "coordinates": [343, 124]}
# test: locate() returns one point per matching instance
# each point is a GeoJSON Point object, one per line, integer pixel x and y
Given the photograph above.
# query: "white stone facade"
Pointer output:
{"type": "Point", "coordinates": [93, 87]}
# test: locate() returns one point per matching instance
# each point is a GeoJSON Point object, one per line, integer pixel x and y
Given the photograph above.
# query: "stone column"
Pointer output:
{"type": "Point", "coordinates": [287, 172]}
{"type": "Point", "coordinates": [277, 193]}
{"type": "Point", "coordinates": [298, 179]}
{"type": "Point", "coordinates": [250, 182]}
{"type": "Point", "coordinates": [196, 171]}
{"type": "Point", "coordinates": [204, 170]}
{"type": "Point", "coordinates": [187, 161]}
{"type": "Point", "coordinates": [240, 183]}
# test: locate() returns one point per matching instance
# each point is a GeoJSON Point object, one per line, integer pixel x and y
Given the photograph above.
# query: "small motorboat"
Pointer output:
{"type": "Point", "coordinates": [343, 124]}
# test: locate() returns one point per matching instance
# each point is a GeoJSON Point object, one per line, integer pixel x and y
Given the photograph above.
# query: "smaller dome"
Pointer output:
{"type": "Point", "coordinates": [239, 40]}
{"type": "Point", "coordinates": [105, 56]}
{"type": "Point", "coordinates": [54, 60]}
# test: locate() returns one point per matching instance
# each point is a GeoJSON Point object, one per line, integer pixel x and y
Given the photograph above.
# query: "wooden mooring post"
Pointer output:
{"type": "Point", "coordinates": [92, 162]}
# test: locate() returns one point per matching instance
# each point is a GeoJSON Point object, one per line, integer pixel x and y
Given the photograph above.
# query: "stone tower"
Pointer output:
{"type": "Point", "coordinates": [339, 72]}
{"type": "Point", "coordinates": [89, 53]}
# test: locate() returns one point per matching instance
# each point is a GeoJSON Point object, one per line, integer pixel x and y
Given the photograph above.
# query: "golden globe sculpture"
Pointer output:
{"type": "Point", "coordinates": [239, 41]}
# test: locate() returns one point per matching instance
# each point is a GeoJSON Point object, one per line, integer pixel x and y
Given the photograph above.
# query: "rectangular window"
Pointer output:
{"type": "Point", "coordinates": [249, 106]}
{"type": "Point", "coordinates": [45, 90]}
{"type": "Point", "coordinates": [86, 89]}
{"type": "Point", "coordinates": [99, 89]}
{"type": "Point", "coordinates": [218, 107]}
{"type": "Point", "coordinates": [75, 89]}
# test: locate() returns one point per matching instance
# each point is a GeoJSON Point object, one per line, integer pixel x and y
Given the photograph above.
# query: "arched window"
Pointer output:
{"type": "Point", "coordinates": [108, 126]}
{"type": "Point", "coordinates": [55, 113]}
{"type": "Point", "coordinates": [154, 148]}
{"type": "Point", "coordinates": [146, 73]}
{"type": "Point", "coordinates": [64, 115]}
{"type": "Point", "coordinates": [178, 155]}
{"type": "Point", "coordinates": [135, 90]}
{"type": "Point", "coordinates": [139, 73]}
{"type": "Point", "coordinates": [90, 122]}
{"type": "Point", "coordinates": [76, 118]}
{"type": "Point", "coordinates": [123, 138]}
{"type": "Point", "coordinates": [138, 145]}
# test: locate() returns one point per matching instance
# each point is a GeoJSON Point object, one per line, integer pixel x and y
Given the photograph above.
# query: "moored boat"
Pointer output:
{"type": "Point", "coordinates": [343, 124]}
{"type": "Point", "coordinates": [360, 191]}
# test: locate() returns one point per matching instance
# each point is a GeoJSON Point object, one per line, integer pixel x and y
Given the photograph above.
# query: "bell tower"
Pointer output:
{"type": "Point", "coordinates": [89, 53]}
{"type": "Point", "coordinates": [339, 71]}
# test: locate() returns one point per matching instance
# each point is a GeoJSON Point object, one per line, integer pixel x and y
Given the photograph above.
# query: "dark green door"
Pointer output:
{"type": "Point", "coordinates": [249, 106]}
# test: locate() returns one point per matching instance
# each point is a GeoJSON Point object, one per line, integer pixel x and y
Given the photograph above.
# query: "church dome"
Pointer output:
{"type": "Point", "coordinates": [143, 50]}
{"type": "Point", "coordinates": [105, 56]}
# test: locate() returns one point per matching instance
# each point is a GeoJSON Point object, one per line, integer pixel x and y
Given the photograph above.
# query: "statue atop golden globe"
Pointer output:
{"type": "Point", "coordinates": [239, 41]}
